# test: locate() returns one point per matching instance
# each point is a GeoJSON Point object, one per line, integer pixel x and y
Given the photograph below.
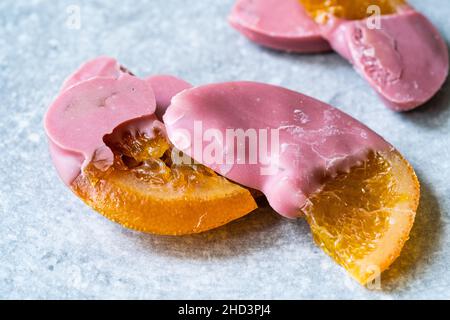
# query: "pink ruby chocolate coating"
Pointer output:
{"type": "Point", "coordinates": [315, 140]}
{"type": "Point", "coordinates": [276, 24]}
{"type": "Point", "coordinates": [82, 115]}
{"type": "Point", "coordinates": [165, 87]}
{"type": "Point", "coordinates": [406, 60]}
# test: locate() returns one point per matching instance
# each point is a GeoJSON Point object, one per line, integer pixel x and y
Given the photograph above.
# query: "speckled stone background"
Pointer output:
{"type": "Point", "coordinates": [53, 246]}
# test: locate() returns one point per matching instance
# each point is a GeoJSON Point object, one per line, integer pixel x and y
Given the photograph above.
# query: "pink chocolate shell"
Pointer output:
{"type": "Point", "coordinates": [309, 139]}
{"type": "Point", "coordinates": [83, 114]}
{"type": "Point", "coordinates": [99, 67]}
{"type": "Point", "coordinates": [165, 87]}
{"type": "Point", "coordinates": [282, 25]}
{"type": "Point", "coordinates": [405, 60]}
{"type": "Point", "coordinates": [70, 162]}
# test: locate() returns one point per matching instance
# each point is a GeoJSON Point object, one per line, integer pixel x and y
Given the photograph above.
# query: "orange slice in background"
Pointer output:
{"type": "Point", "coordinates": [348, 9]}
{"type": "Point", "coordinates": [146, 191]}
{"type": "Point", "coordinates": [363, 218]}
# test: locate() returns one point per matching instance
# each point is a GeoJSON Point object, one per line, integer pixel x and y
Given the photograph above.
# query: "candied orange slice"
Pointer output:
{"type": "Point", "coordinates": [146, 190]}
{"type": "Point", "coordinates": [363, 218]}
{"type": "Point", "coordinates": [348, 9]}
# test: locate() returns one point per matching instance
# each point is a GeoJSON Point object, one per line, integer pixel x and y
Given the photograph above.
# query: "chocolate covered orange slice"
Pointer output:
{"type": "Point", "coordinates": [311, 160]}
{"type": "Point", "coordinates": [394, 47]}
{"type": "Point", "coordinates": [111, 150]}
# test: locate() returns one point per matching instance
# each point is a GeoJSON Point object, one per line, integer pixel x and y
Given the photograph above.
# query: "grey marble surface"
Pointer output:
{"type": "Point", "coordinates": [53, 246]}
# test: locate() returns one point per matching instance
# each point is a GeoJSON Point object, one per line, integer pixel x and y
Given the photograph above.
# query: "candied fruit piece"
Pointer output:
{"type": "Point", "coordinates": [147, 189]}
{"type": "Point", "coordinates": [353, 217]}
{"type": "Point", "coordinates": [348, 9]}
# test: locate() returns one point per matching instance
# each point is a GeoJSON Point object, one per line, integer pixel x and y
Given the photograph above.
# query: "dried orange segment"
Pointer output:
{"type": "Point", "coordinates": [146, 190]}
{"type": "Point", "coordinates": [363, 218]}
{"type": "Point", "coordinates": [348, 9]}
